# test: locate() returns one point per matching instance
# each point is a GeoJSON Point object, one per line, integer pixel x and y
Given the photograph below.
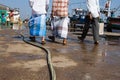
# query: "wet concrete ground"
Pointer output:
{"type": "Point", "coordinates": [75, 61]}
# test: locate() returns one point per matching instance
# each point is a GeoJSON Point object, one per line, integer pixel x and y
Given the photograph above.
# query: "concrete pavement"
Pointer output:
{"type": "Point", "coordinates": [75, 61]}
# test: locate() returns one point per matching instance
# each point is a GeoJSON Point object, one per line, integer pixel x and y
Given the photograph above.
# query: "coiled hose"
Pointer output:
{"type": "Point", "coordinates": [49, 61]}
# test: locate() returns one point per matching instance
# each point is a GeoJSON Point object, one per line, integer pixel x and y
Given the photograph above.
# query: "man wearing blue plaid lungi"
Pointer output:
{"type": "Point", "coordinates": [59, 20]}
{"type": "Point", "coordinates": [37, 22]}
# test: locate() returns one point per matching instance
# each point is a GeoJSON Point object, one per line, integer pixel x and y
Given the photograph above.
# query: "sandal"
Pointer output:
{"type": "Point", "coordinates": [96, 42]}
{"type": "Point", "coordinates": [43, 42]}
{"type": "Point", "coordinates": [64, 42]}
{"type": "Point", "coordinates": [32, 39]}
{"type": "Point", "coordinates": [52, 38]}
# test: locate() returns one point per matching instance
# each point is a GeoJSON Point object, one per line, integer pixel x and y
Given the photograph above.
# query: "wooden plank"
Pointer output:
{"type": "Point", "coordinates": [112, 34]}
{"type": "Point", "coordinates": [105, 33]}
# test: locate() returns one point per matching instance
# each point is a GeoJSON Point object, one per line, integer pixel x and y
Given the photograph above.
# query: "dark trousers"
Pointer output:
{"type": "Point", "coordinates": [95, 28]}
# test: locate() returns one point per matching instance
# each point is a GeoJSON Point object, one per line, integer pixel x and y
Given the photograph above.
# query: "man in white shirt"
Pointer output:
{"type": "Point", "coordinates": [92, 18]}
{"type": "Point", "coordinates": [37, 23]}
{"type": "Point", "coordinates": [39, 6]}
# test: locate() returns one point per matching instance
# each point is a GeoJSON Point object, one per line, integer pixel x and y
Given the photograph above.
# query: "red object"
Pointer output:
{"type": "Point", "coordinates": [11, 14]}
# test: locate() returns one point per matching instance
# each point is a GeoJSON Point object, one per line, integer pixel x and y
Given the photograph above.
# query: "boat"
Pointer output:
{"type": "Point", "coordinates": [78, 18]}
{"type": "Point", "coordinates": [113, 23]}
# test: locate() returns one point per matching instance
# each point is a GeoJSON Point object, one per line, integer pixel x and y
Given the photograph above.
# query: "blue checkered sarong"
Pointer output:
{"type": "Point", "coordinates": [37, 25]}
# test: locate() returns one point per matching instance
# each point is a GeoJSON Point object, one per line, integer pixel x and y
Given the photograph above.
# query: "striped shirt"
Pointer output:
{"type": "Point", "coordinates": [60, 8]}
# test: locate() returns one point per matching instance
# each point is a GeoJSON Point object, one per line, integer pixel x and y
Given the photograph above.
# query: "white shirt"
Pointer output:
{"type": "Point", "coordinates": [38, 6]}
{"type": "Point", "coordinates": [93, 7]}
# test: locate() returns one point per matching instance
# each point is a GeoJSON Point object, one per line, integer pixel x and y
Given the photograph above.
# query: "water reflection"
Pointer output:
{"type": "Point", "coordinates": [16, 27]}
{"type": "Point", "coordinates": [13, 26]}
{"type": "Point", "coordinates": [92, 57]}
{"type": "Point", "coordinates": [87, 76]}
{"type": "Point", "coordinates": [93, 54]}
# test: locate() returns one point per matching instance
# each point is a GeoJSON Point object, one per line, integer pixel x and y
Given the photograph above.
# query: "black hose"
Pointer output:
{"type": "Point", "coordinates": [49, 61]}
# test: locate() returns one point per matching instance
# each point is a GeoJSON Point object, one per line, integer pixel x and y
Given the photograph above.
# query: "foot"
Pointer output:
{"type": "Point", "coordinates": [52, 38]}
{"type": "Point", "coordinates": [43, 42]}
{"type": "Point", "coordinates": [32, 38]}
{"type": "Point", "coordinates": [64, 42]}
{"type": "Point", "coordinates": [80, 38]}
{"type": "Point", "coordinates": [96, 42]}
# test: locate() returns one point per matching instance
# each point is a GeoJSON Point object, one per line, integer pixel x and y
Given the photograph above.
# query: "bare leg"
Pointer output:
{"type": "Point", "coordinates": [43, 41]}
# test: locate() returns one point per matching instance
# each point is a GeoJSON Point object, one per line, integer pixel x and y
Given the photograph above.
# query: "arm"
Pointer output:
{"type": "Point", "coordinates": [47, 5]}
{"type": "Point", "coordinates": [89, 4]}
{"type": "Point", "coordinates": [31, 3]}
{"type": "Point", "coordinates": [93, 7]}
{"type": "Point", "coordinates": [98, 6]}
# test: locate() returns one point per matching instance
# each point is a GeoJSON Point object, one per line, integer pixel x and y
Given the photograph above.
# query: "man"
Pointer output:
{"type": "Point", "coordinates": [3, 19]}
{"type": "Point", "coordinates": [37, 23]}
{"type": "Point", "coordinates": [92, 18]}
{"type": "Point", "coordinates": [59, 20]}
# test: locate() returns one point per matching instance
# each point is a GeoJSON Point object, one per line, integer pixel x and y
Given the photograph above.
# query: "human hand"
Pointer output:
{"type": "Point", "coordinates": [90, 16]}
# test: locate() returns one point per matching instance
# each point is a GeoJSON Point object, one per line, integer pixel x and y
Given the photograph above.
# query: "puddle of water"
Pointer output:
{"type": "Point", "coordinates": [114, 42]}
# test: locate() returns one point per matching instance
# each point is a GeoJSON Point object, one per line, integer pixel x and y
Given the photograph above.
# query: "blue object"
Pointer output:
{"type": "Point", "coordinates": [37, 26]}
